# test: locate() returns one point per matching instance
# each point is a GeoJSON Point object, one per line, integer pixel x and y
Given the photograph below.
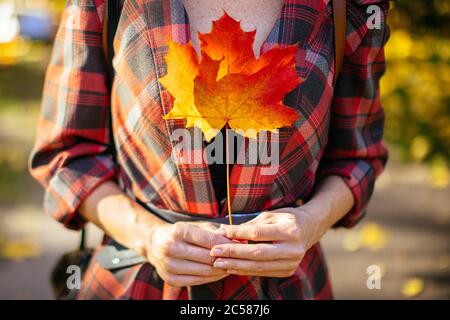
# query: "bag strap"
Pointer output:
{"type": "Point", "coordinates": [111, 17]}
{"type": "Point", "coordinates": [113, 9]}
{"type": "Point", "coordinates": [339, 21]}
{"type": "Point", "coordinates": [82, 245]}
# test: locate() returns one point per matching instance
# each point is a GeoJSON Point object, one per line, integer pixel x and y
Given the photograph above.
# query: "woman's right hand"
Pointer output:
{"type": "Point", "coordinates": [180, 253]}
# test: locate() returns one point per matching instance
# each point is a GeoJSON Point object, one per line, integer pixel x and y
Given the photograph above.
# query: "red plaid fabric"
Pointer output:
{"type": "Point", "coordinates": [339, 132]}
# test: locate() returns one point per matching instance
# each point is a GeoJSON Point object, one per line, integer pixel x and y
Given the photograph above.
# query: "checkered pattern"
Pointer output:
{"type": "Point", "coordinates": [339, 132]}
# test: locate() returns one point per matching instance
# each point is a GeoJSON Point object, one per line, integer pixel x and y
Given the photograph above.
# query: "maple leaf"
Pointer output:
{"type": "Point", "coordinates": [234, 47]}
{"type": "Point", "coordinates": [230, 44]}
{"type": "Point", "coordinates": [247, 103]}
{"type": "Point", "coordinates": [229, 86]}
{"type": "Point", "coordinates": [182, 68]}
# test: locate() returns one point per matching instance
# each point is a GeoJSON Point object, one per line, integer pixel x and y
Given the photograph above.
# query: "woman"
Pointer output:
{"type": "Point", "coordinates": [329, 158]}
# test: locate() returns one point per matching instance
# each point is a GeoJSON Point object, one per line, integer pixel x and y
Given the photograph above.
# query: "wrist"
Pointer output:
{"type": "Point", "coordinates": [314, 220]}
{"type": "Point", "coordinates": [146, 226]}
{"type": "Point", "coordinates": [127, 222]}
{"type": "Point", "coordinates": [318, 211]}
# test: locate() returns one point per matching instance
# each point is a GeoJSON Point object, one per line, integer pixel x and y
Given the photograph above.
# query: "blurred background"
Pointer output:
{"type": "Point", "coordinates": [407, 228]}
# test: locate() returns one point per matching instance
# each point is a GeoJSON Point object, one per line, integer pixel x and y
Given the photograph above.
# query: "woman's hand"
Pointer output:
{"type": "Point", "coordinates": [180, 253]}
{"type": "Point", "coordinates": [288, 233]}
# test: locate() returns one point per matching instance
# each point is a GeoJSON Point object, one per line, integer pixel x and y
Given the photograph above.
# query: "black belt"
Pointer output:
{"type": "Point", "coordinates": [115, 256]}
{"type": "Point", "coordinates": [173, 217]}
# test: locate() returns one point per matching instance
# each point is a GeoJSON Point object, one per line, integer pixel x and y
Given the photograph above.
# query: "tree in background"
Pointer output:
{"type": "Point", "coordinates": [415, 88]}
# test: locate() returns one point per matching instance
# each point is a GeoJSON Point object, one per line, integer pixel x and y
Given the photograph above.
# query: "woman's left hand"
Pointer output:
{"type": "Point", "coordinates": [286, 234]}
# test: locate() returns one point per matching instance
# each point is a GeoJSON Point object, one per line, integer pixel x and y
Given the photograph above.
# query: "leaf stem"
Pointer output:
{"type": "Point", "coordinates": [228, 175]}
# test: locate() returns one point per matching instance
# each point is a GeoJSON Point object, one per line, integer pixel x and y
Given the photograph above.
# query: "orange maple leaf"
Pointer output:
{"type": "Point", "coordinates": [229, 86]}
{"type": "Point", "coordinates": [230, 44]}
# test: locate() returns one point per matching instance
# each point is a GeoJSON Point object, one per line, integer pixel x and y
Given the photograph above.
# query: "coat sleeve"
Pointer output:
{"type": "Point", "coordinates": [71, 155]}
{"type": "Point", "coordinates": [355, 149]}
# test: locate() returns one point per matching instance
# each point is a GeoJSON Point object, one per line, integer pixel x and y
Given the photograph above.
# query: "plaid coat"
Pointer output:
{"type": "Point", "coordinates": [339, 132]}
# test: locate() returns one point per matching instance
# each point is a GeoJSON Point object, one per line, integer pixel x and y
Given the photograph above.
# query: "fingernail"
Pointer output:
{"type": "Point", "coordinates": [219, 264]}
{"type": "Point", "coordinates": [216, 252]}
{"type": "Point", "coordinates": [232, 271]}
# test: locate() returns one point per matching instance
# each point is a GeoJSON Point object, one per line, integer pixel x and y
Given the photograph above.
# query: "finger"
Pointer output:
{"type": "Point", "coordinates": [198, 236]}
{"type": "Point", "coordinates": [255, 266]}
{"type": "Point", "coordinates": [185, 267]}
{"type": "Point", "coordinates": [191, 252]}
{"type": "Point", "coordinates": [209, 226]}
{"type": "Point", "coordinates": [256, 232]}
{"type": "Point", "coordinates": [188, 280]}
{"type": "Point", "coordinates": [263, 217]}
{"type": "Point", "coordinates": [271, 274]}
{"type": "Point", "coordinates": [258, 252]}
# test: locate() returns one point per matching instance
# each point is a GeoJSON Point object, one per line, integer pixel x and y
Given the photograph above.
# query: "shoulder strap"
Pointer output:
{"type": "Point", "coordinates": [110, 21]}
{"type": "Point", "coordinates": [339, 21]}
{"type": "Point", "coordinates": [111, 17]}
